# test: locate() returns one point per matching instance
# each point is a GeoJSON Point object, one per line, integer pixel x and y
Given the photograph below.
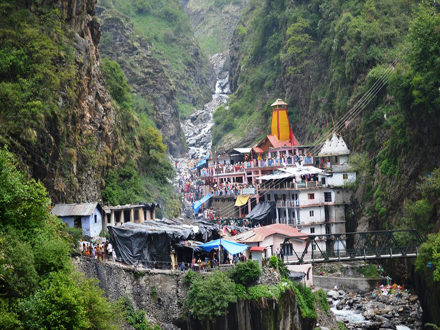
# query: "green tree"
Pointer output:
{"type": "Point", "coordinates": [245, 273]}
{"type": "Point", "coordinates": [210, 297]}
{"type": "Point", "coordinates": [429, 252]}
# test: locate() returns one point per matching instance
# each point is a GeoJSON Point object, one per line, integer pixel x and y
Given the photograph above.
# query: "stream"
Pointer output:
{"type": "Point", "coordinates": [384, 308]}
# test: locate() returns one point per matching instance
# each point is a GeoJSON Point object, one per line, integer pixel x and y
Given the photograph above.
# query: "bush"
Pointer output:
{"type": "Point", "coordinates": [245, 273]}
{"type": "Point", "coordinates": [274, 262]}
{"type": "Point", "coordinates": [321, 301]}
{"type": "Point", "coordinates": [429, 255]}
{"type": "Point", "coordinates": [210, 297]}
{"type": "Point", "coordinates": [306, 301]}
{"type": "Point", "coordinates": [369, 271]}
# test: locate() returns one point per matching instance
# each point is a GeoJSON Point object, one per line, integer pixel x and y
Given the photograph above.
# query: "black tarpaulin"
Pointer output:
{"type": "Point", "coordinates": [152, 240]}
{"type": "Point", "coordinates": [262, 211]}
{"type": "Point", "coordinates": [297, 276]}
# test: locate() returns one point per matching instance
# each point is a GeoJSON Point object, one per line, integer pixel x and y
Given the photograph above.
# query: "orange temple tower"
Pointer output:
{"type": "Point", "coordinates": [280, 127]}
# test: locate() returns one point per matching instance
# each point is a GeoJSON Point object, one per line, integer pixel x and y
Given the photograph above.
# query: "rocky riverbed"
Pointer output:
{"type": "Point", "coordinates": [387, 307]}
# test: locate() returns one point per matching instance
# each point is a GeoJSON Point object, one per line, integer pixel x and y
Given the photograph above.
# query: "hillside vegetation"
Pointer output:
{"type": "Point", "coordinates": [213, 22]}
{"type": "Point", "coordinates": [321, 57]}
{"type": "Point", "coordinates": [58, 117]}
{"type": "Point", "coordinates": [170, 39]}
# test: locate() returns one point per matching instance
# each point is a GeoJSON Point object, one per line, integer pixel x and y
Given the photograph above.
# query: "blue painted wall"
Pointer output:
{"type": "Point", "coordinates": [88, 225]}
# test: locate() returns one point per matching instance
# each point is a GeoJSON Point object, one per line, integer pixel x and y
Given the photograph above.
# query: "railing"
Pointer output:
{"type": "Point", "coordinates": [288, 203]}
{"type": "Point", "coordinates": [355, 246]}
{"type": "Point", "coordinates": [225, 169]}
{"type": "Point", "coordinates": [292, 185]}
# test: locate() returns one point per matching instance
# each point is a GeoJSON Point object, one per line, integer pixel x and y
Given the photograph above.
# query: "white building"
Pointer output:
{"type": "Point", "coordinates": [313, 199]}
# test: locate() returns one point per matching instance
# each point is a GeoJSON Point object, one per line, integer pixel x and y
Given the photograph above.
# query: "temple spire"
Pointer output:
{"type": "Point", "coordinates": [280, 127]}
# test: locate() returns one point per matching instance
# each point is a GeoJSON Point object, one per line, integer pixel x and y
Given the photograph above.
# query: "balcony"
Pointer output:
{"type": "Point", "coordinates": [288, 203]}
{"type": "Point", "coordinates": [292, 185]}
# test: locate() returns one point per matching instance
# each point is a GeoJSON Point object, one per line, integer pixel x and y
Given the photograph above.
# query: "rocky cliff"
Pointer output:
{"type": "Point", "coordinates": [162, 293]}
{"type": "Point", "coordinates": [213, 22]}
{"type": "Point", "coordinates": [145, 75]}
{"type": "Point", "coordinates": [68, 143]}
{"type": "Point", "coordinates": [57, 114]}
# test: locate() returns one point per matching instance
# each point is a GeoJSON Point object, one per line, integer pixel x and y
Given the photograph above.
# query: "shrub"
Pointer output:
{"type": "Point", "coordinates": [245, 273]}
{"type": "Point", "coordinates": [274, 262]}
{"type": "Point", "coordinates": [429, 255]}
{"type": "Point", "coordinates": [306, 301]}
{"type": "Point", "coordinates": [369, 271]}
{"type": "Point", "coordinates": [210, 297]}
{"type": "Point", "coordinates": [321, 301]}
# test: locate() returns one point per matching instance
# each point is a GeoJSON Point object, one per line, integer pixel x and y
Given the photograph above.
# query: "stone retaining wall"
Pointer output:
{"type": "Point", "coordinates": [348, 284]}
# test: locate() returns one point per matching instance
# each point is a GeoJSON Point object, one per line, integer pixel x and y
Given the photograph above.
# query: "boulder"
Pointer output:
{"type": "Point", "coordinates": [333, 294]}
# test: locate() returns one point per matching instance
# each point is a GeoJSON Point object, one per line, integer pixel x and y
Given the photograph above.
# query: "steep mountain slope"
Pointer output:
{"type": "Point", "coordinates": [161, 31]}
{"type": "Point", "coordinates": [57, 114]}
{"type": "Point", "coordinates": [321, 57]}
{"type": "Point", "coordinates": [155, 93]}
{"type": "Point", "coordinates": [213, 22]}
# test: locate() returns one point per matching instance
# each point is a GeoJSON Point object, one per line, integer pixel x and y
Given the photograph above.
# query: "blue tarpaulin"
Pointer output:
{"type": "Point", "coordinates": [201, 163]}
{"type": "Point", "coordinates": [199, 203]}
{"type": "Point", "coordinates": [231, 247]}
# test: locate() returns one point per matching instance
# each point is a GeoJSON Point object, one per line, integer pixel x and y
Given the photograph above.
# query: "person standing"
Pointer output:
{"type": "Point", "coordinates": [113, 256]}
{"type": "Point", "coordinates": [110, 249]}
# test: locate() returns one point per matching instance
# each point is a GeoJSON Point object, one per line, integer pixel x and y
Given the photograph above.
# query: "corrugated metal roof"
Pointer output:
{"type": "Point", "coordinates": [71, 210]}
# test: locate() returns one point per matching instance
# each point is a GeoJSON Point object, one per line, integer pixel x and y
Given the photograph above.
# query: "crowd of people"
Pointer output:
{"type": "Point", "coordinates": [98, 251]}
{"type": "Point", "coordinates": [211, 262]}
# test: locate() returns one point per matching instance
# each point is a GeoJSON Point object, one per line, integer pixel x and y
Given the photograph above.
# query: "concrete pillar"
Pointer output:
{"type": "Point", "coordinates": [122, 218]}
{"type": "Point", "coordinates": [249, 206]}
{"type": "Point", "coordinates": [132, 215]}
{"type": "Point", "coordinates": [112, 218]}
{"type": "Point", "coordinates": [278, 219]}
{"type": "Point", "coordinates": [141, 215]}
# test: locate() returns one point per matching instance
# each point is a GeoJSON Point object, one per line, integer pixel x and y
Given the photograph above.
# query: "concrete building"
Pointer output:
{"type": "Point", "coordinates": [87, 216]}
{"type": "Point", "coordinates": [135, 213]}
{"type": "Point", "coordinates": [271, 238]}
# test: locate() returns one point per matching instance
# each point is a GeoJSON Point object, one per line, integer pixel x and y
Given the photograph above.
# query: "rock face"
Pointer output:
{"type": "Point", "coordinates": [71, 149]}
{"type": "Point", "coordinates": [213, 24]}
{"type": "Point", "coordinates": [161, 295]}
{"type": "Point", "coordinates": [145, 75]}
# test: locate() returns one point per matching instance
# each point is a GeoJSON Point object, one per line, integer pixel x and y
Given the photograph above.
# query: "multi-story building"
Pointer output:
{"type": "Point", "coordinates": [279, 169]}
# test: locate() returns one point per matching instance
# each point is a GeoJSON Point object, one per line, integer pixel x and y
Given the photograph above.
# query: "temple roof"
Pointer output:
{"type": "Point", "coordinates": [334, 147]}
{"type": "Point", "coordinates": [278, 102]}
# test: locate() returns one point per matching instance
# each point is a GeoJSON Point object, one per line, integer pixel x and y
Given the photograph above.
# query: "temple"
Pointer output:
{"type": "Point", "coordinates": [278, 180]}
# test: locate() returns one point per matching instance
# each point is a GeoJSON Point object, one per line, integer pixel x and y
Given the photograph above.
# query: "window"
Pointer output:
{"type": "Point", "coordinates": [96, 218]}
{"type": "Point", "coordinates": [312, 213]}
{"type": "Point", "coordinates": [345, 176]}
{"type": "Point", "coordinates": [312, 230]}
{"type": "Point", "coordinates": [311, 196]}
{"type": "Point", "coordinates": [323, 181]}
{"type": "Point", "coordinates": [268, 197]}
{"type": "Point", "coordinates": [327, 197]}
{"type": "Point", "coordinates": [287, 249]}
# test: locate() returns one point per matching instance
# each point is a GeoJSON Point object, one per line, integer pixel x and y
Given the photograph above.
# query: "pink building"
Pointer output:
{"type": "Point", "coordinates": [271, 238]}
